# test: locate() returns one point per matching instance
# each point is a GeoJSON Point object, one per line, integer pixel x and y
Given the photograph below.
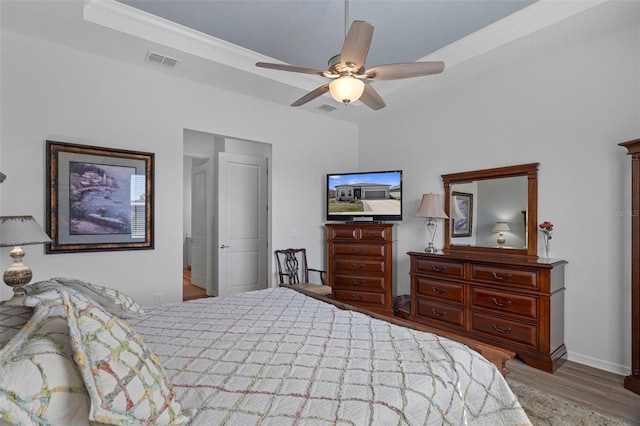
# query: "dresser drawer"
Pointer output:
{"type": "Point", "coordinates": [505, 276]}
{"type": "Point", "coordinates": [342, 265]}
{"type": "Point", "coordinates": [428, 309]}
{"type": "Point", "coordinates": [516, 304]}
{"type": "Point", "coordinates": [346, 232]}
{"type": "Point", "coordinates": [374, 233]}
{"type": "Point", "coordinates": [439, 268]}
{"type": "Point", "coordinates": [358, 282]}
{"type": "Point", "coordinates": [355, 249]}
{"type": "Point", "coordinates": [440, 289]}
{"type": "Point", "coordinates": [359, 297]}
{"type": "Point", "coordinates": [504, 329]}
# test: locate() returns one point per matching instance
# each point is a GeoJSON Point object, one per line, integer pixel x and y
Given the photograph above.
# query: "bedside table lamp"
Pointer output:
{"type": "Point", "coordinates": [19, 231]}
{"type": "Point", "coordinates": [430, 208]}
{"type": "Point", "coordinates": [501, 228]}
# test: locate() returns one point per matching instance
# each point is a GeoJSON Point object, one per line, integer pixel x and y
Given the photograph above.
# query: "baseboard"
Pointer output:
{"type": "Point", "coordinates": [622, 370]}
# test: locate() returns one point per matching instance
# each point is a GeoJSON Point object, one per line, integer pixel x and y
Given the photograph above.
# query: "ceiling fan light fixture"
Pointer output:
{"type": "Point", "coordinates": [346, 89]}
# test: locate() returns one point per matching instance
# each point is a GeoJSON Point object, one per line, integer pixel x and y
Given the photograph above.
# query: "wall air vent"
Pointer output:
{"type": "Point", "coordinates": [156, 58]}
{"type": "Point", "coordinates": [327, 108]}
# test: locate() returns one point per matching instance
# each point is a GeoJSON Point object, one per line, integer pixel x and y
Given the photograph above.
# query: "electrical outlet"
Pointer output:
{"type": "Point", "coordinates": [157, 299]}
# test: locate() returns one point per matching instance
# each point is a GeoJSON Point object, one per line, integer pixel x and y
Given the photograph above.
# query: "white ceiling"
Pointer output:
{"type": "Point", "coordinates": [301, 32]}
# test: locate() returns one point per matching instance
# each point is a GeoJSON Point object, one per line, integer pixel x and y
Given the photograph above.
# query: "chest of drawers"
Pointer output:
{"type": "Point", "coordinates": [514, 304]}
{"type": "Point", "coordinates": [360, 265]}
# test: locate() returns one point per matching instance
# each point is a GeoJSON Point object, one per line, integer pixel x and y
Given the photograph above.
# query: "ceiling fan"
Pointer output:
{"type": "Point", "coordinates": [348, 74]}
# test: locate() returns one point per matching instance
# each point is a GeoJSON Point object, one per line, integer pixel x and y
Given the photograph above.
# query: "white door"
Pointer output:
{"type": "Point", "coordinates": [199, 228]}
{"type": "Point", "coordinates": [242, 223]}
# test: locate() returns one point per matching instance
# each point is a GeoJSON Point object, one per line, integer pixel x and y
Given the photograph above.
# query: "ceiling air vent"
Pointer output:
{"type": "Point", "coordinates": [156, 58]}
{"type": "Point", "coordinates": [327, 108]}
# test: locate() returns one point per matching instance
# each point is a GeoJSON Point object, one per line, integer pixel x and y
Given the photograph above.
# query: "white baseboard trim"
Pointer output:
{"type": "Point", "coordinates": [622, 370]}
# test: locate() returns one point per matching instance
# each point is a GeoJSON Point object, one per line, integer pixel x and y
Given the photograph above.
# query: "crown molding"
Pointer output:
{"type": "Point", "coordinates": [129, 20]}
{"type": "Point", "coordinates": [126, 19]}
{"type": "Point", "coordinates": [522, 23]}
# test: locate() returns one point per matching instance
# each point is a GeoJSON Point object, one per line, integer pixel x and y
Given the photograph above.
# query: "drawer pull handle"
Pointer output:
{"type": "Point", "coordinates": [437, 314]}
{"type": "Point", "coordinates": [501, 330]}
{"type": "Point", "coordinates": [358, 298]}
{"type": "Point", "coordinates": [356, 251]}
{"type": "Point", "coordinates": [342, 234]}
{"type": "Point", "coordinates": [358, 267]}
{"type": "Point", "coordinates": [357, 282]}
{"type": "Point", "coordinates": [372, 235]}
{"type": "Point", "coordinates": [502, 305]}
{"type": "Point", "coordinates": [438, 268]}
{"type": "Point", "coordinates": [438, 290]}
{"type": "Point", "coordinates": [500, 277]}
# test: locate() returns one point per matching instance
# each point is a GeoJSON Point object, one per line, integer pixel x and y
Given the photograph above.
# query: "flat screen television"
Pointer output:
{"type": "Point", "coordinates": [364, 196]}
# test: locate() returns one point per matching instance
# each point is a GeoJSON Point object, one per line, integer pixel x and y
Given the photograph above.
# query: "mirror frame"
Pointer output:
{"type": "Point", "coordinates": [531, 172]}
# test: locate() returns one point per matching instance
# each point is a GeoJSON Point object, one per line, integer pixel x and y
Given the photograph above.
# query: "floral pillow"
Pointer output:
{"type": "Point", "coordinates": [127, 383]}
{"type": "Point", "coordinates": [39, 380]}
{"type": "Point", "coordinates": [113, 301]}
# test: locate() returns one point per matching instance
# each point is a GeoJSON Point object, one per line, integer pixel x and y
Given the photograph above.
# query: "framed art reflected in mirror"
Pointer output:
{"type": "Point", "coordinates": [462, 218]}
{"type": "Point", "coordinates": [99, 199]}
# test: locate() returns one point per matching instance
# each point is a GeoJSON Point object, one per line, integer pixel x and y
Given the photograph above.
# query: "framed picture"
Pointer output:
{"type": "Point", "coordinates": [98, 199]}
{"type": "Point", "coordinates": [462, 227]}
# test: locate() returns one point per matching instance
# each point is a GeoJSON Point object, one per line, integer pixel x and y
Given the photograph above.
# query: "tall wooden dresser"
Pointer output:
{"type": "Point", "coordinates": [361, 264]}
{"type": "Point", "coordinates": [515, 304]}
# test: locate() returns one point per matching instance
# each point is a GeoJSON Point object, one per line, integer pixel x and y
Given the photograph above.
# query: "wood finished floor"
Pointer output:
{"type": "Point", "coordinates": [190, 291]}
{"type": "Point", "coordinates": [602, 391]}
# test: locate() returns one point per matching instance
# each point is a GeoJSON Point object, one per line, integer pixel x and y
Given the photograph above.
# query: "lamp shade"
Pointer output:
{"type": "Point", "coordinates": [501, 227]}
{"type": "Point", "coordinates": [455, 210]}
{"type": "Point", "coordinates": [21, 231]}
{"type": "Point", "coordinates": [346, 89]}
{"type": "Point", "coordinates": [430, 207]}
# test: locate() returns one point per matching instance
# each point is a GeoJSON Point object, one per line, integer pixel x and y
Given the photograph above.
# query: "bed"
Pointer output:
{"type": "Point", "coordinates": [270, 357]}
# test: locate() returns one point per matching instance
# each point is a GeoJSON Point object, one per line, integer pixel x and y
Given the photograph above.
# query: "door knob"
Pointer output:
{"type": "Point", "coordinates": [223, 246]}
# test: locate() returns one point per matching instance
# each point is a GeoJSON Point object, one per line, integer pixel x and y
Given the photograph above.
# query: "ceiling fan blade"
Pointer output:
{"type": "Point", "coordinates": [404, 70]}
{"type": "Point", "coordinates": [356, 45]}
{"type": "Point", "coordinates": [312, 95]}
{"type": "Point", "coordinates": [290, 68]}
{"type": "Point", "coordinates": [371, 98]}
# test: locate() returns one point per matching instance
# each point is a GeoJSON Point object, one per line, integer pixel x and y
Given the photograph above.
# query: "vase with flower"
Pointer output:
{"type": "Point", "coordinates": [547, 230]}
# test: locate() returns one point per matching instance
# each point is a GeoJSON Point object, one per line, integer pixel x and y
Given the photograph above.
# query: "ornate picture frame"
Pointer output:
{"type": "Point", "coordinates": [463, 227]}
{"type": "Point", "coordinates": [98, 199]}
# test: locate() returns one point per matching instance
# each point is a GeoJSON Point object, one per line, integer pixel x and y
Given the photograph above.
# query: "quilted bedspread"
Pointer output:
{"type": "Point", "coordinates": [277, 357]}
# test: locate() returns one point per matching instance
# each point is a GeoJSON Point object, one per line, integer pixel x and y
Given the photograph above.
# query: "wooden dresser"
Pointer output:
{"type": "Point", "coordinates": [515, 304]}
{"type": "Point", "coordinates": [361, 264]}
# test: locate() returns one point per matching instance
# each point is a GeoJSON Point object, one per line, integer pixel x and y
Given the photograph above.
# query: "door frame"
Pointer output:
{"type": "Point", "coordinates": [201, 144]}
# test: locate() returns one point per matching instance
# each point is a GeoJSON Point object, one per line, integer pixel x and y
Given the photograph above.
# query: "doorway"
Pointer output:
{"type": "Point", "coordinates": [226, 222]}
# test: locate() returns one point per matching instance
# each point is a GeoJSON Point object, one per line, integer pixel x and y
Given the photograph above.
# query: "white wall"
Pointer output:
{"type": "Point", "coordinates": [53, 92]}
{"type": "Point", "coordinates": [564, 97]}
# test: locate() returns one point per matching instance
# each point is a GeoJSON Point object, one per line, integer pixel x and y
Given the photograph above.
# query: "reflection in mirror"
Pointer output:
{"type": "Point", "coordinates": [490, 207]}
{"type": "Point", "coordinates": [502, 194]}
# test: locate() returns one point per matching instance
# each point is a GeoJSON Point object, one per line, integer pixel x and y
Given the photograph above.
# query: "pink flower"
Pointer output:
{"type": "Point", "coordinates": [546, 228]}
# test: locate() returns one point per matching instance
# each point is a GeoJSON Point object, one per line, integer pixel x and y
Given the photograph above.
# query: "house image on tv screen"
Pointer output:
{"type": "Point", "coordinates": [363, 191]}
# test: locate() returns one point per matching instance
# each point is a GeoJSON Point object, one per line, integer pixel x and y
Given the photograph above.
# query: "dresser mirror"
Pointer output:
{"type": "Point", "coordinates": [492, 211]}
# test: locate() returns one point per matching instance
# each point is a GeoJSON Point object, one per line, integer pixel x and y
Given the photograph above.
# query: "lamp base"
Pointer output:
{"type": "Point", "coordinates": [430, 249]}
{"type": "Point", "coordinates": [18, 275]}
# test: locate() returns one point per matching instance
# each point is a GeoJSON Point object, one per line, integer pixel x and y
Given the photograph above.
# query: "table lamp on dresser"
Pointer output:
{"type": "Point", "coordinates": [16, 231]}
{"type": "Point", "coordinates": [431, 209]}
